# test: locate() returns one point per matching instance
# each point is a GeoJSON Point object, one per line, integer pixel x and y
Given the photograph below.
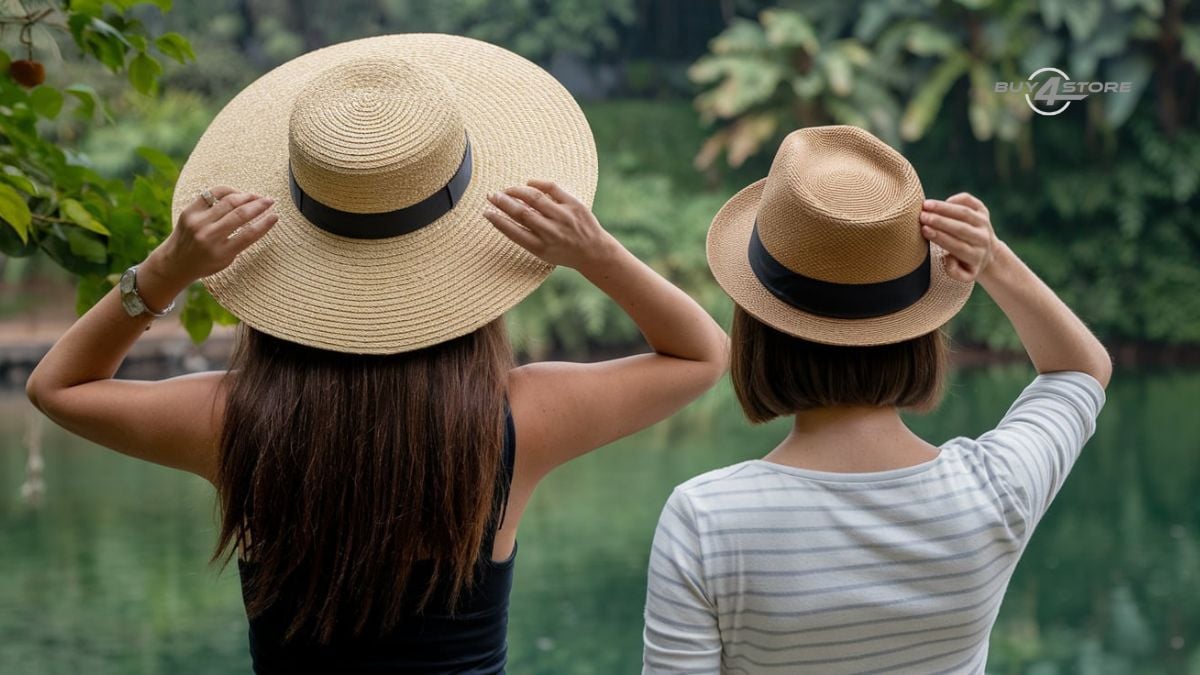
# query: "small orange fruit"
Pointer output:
{"type": "Point", "coordinates": [27, 73]}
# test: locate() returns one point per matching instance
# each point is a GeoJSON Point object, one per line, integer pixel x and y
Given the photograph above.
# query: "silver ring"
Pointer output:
{"type": "Point", "coordinates": [209, 198]}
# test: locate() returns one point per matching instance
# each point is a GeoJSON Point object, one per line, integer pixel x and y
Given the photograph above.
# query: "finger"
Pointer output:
{"type": "Point", "coordinates": [967, 199]}
{"type": "Point", "coordinates": [540, 201]}
{"type": "Point", "coordinates": [953, 245]}
{"type": "Point", "coordinates": [961, 212]}
{"type": "Point", "coordinates": [956, 270]}
{"type": "Point", "coordinates": [523, 237]}
{"type": "Point", "coordinates": [228, 204]}
{"type": "Point", "coordinates": [241, 239]}
{"type": "Point", "coordinates": [955, 227]}
{"type": "Point", "coordinates": [521, 212]}
{"type": "Point", "coordinates": [200, 204]}
{"type": "Point", "coordinates": [242, 215]}
{"type": "Point", "coordinates": [557, 193]}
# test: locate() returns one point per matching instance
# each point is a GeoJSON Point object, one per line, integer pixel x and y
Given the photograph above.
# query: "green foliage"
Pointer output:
{"type": "Point", "coordinates": [535, 29]}
{"type": "Point", "coordinates": [52, 198]}
{"type": "Point", "coordinates": [1102, 201]}
{"type": "Point", "coordinates": [873, 64]}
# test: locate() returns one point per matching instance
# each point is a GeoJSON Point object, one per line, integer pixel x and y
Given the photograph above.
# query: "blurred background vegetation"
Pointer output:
{"type": "Point", "coordinates": [101, 101]}
{"type": "Point", "coordinates": [688, 99]}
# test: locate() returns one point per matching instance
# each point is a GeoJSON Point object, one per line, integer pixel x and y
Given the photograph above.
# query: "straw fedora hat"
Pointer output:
{"type": "Point", "coordinates": [828, 246]}
{"type": "Point", "coordinates": [380, 154]}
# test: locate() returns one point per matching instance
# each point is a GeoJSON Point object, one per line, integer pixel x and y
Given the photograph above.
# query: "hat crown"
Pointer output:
{"type": "Point", "coordinates": [842, 206]}
{"type": "Point", "coordinates": [375, 134]}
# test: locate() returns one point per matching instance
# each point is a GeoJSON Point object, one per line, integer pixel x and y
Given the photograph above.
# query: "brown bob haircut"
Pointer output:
{"type": "Point", "coordinates": [775, 374]}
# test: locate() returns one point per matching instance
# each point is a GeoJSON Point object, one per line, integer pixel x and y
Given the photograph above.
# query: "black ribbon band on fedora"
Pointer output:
{"type": "Point", "coordinates": [389, 223]}
{"type": "Point", "coordinates": [834, 300]}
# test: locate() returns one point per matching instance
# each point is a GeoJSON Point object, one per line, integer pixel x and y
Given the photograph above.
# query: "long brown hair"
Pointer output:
{"type": "Point", "coordinates": [338, 472]}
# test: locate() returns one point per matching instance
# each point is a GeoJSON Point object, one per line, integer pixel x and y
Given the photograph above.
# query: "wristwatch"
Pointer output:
{"type": "Point", "coordinates": [132, 302]}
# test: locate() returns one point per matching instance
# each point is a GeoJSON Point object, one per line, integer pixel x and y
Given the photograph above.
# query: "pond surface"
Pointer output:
{"type": "Point", "coordinates": [109, 573]}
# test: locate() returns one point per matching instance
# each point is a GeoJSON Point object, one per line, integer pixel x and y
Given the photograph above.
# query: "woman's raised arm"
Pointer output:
{"type": "Point", "coordinates": [567, 409]}
{"type": "Point", "coordinates": [1054, 337]}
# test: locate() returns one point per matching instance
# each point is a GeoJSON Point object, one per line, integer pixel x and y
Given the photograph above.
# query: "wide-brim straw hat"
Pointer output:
{"type": "Point", "coordinates": [828, 246]}
{"type": "Point", "coordinates": [380, 154]}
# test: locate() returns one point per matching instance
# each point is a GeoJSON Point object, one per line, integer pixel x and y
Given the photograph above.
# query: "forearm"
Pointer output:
{"type": "Point", "coordinates": [96, 344]}
{"type": "Point", "coordinates": [1054, 338]}
{"type": "Point", "coordinates": [672, 322]}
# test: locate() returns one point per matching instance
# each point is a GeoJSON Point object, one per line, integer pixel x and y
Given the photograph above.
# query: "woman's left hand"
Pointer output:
{"type": "Point", "coordinates": [206, 238]}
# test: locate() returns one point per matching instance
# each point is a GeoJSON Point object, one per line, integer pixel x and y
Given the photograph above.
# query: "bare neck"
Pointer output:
{"type": "Point", "coordinates": [851, 440]}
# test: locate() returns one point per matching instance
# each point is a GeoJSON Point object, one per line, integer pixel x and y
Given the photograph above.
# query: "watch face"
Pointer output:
{"type": "Point", "coordinates": [127, 281]}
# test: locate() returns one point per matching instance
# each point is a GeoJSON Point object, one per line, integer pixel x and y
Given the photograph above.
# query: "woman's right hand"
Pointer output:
{"type": "Point", "coordinates": [552, 224]}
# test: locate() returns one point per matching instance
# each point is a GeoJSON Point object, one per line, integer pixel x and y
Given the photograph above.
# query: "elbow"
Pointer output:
{"type": "Point", "coordinates": [1103, 369]}
{"type": "Point", "coordinates": [718, 360]}
{"type": "Point", "coordinates": [33, 390]}
{"type": "Point", "coordinates": [41, 395]}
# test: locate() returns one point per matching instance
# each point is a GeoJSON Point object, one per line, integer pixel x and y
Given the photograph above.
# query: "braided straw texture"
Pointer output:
{"type": "Point", "coordinates": [841, 206]}
{"type": "Point", "coordinates": [383, 296]}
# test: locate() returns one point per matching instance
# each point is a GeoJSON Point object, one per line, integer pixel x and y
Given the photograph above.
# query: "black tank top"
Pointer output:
{"type": "Point", "coordinates": [472, 640]}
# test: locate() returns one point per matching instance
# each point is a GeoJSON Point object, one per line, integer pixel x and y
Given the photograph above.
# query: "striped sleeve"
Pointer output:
{"type": "Point", "coordinates": [1038, 440]}
{"type": "Point", "coordinates": [681, 634]}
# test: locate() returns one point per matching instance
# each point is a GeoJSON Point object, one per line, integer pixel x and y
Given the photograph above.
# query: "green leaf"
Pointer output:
{"type": "Point", "coordinates": [89, 291]}
{"type": "Point", "coordinates": [46, 101]}
{"type": "Point", "coordinates": [196, 317]}
{"type": "Point", "coordinates": [924, 105]}
{"type": "Point", "coordinates": [87, 97]}
{"type": "Point", "coordinates": [839, 71]}
{"type": "Point", "coordinates": [786, 28]}
{"type": "Point", "coordinates": [78, 214]}
{"type": "Point", "coordinates": [87, 246]}
{"type": "Point", "coordinates": [1190, 37]}
{"type": "Point", "coordinates": [19, 180]}
{"type": "Point", "coordinates": [15, 211]}
{"type": "Point", "coordinates": [928, 40]}
{"type": "Point", "coordinates": [107, 30]}
{"type": "Point", "coordinates": [1135, 69]}
{"type": "Point", "coordinates": [143, 73]}
{"type": "Point", "coordinates": [160, 161]}
{"type": "Point", "coordinates": [5, 61]}
{"type": "Point", "coordinates": [88, 7]}
{"type": "Point", "coordinates": [741, 37]}
{"type": "Point", "coordinates": [175, 46]}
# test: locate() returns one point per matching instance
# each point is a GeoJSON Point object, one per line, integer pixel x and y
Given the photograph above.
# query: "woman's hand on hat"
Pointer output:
{"type": "Point", "coordinates": [550, 223]}
{"type": "Point", "coordinates": [206, 238]}
{"type": "Point", "coordinates": [962, 226]}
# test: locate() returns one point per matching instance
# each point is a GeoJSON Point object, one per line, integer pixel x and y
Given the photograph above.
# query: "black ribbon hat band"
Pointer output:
{"type": "Point", "coordinates": [835, 300]}
{"type": "Point", "coordinates": [389, 223]}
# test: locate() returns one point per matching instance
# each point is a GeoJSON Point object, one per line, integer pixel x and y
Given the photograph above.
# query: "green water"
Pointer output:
{"type": "Point", "coordinates": [109, 574]}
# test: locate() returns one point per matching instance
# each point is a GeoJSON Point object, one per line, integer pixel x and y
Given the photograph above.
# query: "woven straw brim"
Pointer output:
{"type": "Point", "coordinates": [382, 296]}
{"type": "Point", "coordinates": [728, 246]}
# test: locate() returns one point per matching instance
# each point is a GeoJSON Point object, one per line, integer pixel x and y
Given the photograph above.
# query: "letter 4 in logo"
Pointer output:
{"type": "Point", "coordinates": [1049, 93]}
{"type": "Point", "coordinates": [1058, 87]}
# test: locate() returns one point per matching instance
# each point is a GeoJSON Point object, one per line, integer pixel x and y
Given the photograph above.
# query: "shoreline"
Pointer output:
{"type": "Point", "coordinates": [166, 350]}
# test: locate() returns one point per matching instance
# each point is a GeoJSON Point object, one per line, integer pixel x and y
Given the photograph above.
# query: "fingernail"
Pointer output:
{"type": "Point", "coordinates": [929, 204]}
{"type": "Point", "coordinates": [268, 200]}
{"type": "Point", "coordinates": [924, 217]}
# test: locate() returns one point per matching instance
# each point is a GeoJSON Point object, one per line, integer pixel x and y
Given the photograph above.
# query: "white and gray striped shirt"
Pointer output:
{"type": "Point", "coordinates": [760, 567]}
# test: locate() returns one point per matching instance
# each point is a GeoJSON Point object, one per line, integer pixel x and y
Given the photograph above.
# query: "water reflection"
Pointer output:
{"type": "Point", "coordinates": [108, 575]}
